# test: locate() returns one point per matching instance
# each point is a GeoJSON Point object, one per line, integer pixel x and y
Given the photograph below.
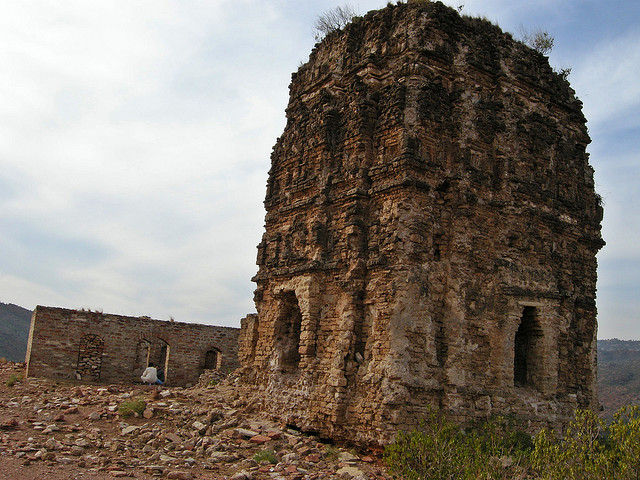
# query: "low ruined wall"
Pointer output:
{"type": "Point", "coordinates": [92, 346]}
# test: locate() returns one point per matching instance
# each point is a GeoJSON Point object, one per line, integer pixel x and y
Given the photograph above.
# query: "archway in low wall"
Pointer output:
{"type": "Point", "coordinates": [89, 365]}
{"type": "Point", "coordinates": [212, 359]}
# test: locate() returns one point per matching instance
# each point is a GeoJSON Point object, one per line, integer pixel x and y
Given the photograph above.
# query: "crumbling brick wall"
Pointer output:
{"type": "Point", "coordinates": [431, 233]}
{"type": "Point", "coordinates": [97, 347]}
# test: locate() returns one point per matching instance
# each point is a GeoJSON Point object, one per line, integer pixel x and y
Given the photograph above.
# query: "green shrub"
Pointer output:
{"type": "Point", "coordinates": [540, 40]}
{"type": "Point", "coordinates": [590, 449]}
{"type": "Point", "coordinates": [624, 437]}
{"type": "Point", "coordinates": [331, 452]}
{"type": "Point", "coordinates": [496, 449]}
{"type": "Point", "coordinates": [439, 449]}
{"type": "Point", "coordinates": [13, 379]}
{"type": "Point", "coordinates": [129, 407]}
{"type": "Point", "coordinates": [266, 455]}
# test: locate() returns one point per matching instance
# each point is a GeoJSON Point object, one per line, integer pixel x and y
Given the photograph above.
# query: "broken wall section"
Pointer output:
{"type": "Point", "coordinates": [96, 347]}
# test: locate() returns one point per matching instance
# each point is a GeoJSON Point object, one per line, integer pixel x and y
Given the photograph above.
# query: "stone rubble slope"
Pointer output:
{"type": "Point", "coordinates": [71, 430]}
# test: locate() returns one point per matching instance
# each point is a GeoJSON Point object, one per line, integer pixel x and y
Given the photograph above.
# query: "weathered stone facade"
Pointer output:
{"type": "Point", "coordinates": [97, 347]}
{"type": "Point", "coordinates": [431, 233]}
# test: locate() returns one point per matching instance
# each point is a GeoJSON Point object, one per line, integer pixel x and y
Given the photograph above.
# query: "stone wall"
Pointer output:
{"type": "Point", "coordinates": [97, 347]}
{"type": "Point", "coordinates": [431, 233]}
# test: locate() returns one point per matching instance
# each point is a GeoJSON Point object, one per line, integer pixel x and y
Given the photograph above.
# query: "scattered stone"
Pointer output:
{"type": "Point", "coordinates": [153, 469]}
{"type": "Point", "coordinates": [118, 473]}
{"type": "Point", "coordinates": [351, 472]}
{"type": "Point", "coordinates": [177, 475]}
{"type": "Point", "coordinates": [9, 425]}
{"type": "Point", "coordinates": [243, 432]}
{"type": "Point", "coordinates": [290, 457]}
{"type": "Point", "coordinates": [77, 451]}
{"type": "Point", "coordinates": [200, 427]}
{"type": "Point", "coordinates": [304, 450]}
{"type": "Point", "coordinates": [130, 429]}
{"type": "Point", "coordinates": [95, 415]}
{"type": "Point", "coordinates": [347, 457]}
{"type": "Point", "coordinates": [47, 455]}
{"type": "Point", "coordinates": [51, 429]}
{"type": "Point", "coordinates": [172, 437]}
{"type": "Point", "coordinates": [82, 442]}
{"type": "Point", "coordinates": [169, 444]}
{"type": "Point", "coordinates": [241, 475]}
{"type": "Point", "coordinates": [259, 439]}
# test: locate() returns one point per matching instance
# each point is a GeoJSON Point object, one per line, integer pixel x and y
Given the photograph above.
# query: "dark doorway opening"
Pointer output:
{"type": "Point", "coordinates": [528, 355]}
{"type": "Point", "coordinates": [287, 333]}
{"type": "Point", "coordinates": [212, 359]}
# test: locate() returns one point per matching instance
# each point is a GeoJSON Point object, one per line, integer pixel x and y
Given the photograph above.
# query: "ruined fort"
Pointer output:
{"type": "Point", "coordinates": [97, 347]}
{"type": "Point", "coordinates": [431, 234]}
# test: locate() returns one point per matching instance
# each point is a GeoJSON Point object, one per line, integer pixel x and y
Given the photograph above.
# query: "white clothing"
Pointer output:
{"type": "Point", "coordinates": [150, 375]}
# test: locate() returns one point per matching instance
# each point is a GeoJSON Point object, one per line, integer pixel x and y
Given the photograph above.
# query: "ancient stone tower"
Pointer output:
{"type": "Point", "coordinates": [431, 234]}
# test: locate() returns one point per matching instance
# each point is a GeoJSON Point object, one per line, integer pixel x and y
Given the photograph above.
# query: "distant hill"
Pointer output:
{"type": "Point", "coordinates": [14, 331]}
{"type": "Point", "coordinates": [618, 374]}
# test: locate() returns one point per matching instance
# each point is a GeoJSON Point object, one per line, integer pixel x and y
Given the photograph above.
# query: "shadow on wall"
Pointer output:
{"type": "Point", "coordinates": [154, 351]}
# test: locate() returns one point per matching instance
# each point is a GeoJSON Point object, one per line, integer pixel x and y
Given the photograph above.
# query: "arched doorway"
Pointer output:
{"type": "Point", "coordinates": [151, 351]}
{"type": "Point", "coordinates": [287, 332]}
{"type": "Point", "coordinates": [212, 359]}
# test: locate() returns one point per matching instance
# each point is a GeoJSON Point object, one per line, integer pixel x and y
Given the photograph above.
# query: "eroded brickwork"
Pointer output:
{"type": "Point", "coordinates": [431, 233]}
{"type": "Point", "coordinates": [97, 347]}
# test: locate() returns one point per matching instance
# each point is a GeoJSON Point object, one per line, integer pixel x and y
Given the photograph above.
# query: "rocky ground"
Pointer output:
{"type": "Point", "coordinates": [66, 430]}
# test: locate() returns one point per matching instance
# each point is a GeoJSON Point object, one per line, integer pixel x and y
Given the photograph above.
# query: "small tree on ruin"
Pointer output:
{"type": "Point", "coordinates": [333, 20]}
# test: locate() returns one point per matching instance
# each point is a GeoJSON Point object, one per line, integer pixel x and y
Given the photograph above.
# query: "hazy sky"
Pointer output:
{"type": "Point", "coordinates": [135, 139]}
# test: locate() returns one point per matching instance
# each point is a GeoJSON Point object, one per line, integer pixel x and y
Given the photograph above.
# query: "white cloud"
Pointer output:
{"type": "Point", "coordinates": [604, 79]}
{"type": "Point", "coordinates": [136, 139]}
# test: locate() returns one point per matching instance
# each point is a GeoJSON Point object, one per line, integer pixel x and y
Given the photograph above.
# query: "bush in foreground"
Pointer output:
{"type": "Point", "coordinates": [496, 449]}
{"type": "Point", "coordinates": [13, 379]}
{"type": "Point", "coordinates": [590, 449]}
{"type": "Point", "coordinates": [130, 407]}
{"type": "Point", "coordinates": [266, 456]}
{"type": "Point", "coordinates": [439, 449]}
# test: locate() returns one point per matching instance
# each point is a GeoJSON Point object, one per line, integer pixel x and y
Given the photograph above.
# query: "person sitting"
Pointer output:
{"type": "Point", "coordinates": [150, 375]}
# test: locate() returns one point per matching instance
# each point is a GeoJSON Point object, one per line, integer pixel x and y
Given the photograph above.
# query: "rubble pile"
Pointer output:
{"type": "Point", "coordinates": [204, 432]}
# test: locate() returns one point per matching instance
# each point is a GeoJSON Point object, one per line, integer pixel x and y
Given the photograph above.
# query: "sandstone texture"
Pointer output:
{"type": "Point", "coordinates": [98, 347]}
{"type": "Point", "coordinates": [431, 234]}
